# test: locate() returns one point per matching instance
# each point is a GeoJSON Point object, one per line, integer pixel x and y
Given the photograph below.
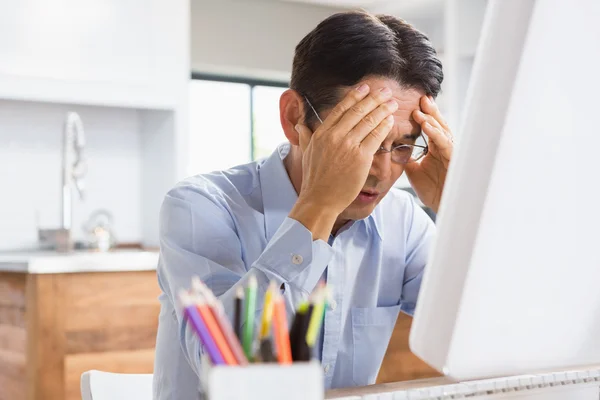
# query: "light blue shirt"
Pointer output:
{"type": "Point", "coordinates": [226, 226]}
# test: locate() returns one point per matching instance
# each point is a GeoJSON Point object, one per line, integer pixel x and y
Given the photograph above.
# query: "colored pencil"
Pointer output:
{"type": "Point", "coordinates": [267, 315]}
{"type": "Point", "coordinates": [301, 313]}
{"type": "Point", "coordinates": [193, 316]}
{"type": "Point", "coordinates": [300, 350]}
{"type": "Point", "coordinates": [266, 351]}
{"type": "Point", "coordinates": [248, 336]}
{"type": "Point", "coordinates": [237, 318]}
{"type": "Point", "coordinates": [215, 330]}
{"type": "Point", "coordinates": [225, 345]}
{"type": "Point", "coordinates": [316, 319]}
{"type": "Point", "coordinates": [220, 315]}
{"type": "Point", "coordinates": [280, 330]}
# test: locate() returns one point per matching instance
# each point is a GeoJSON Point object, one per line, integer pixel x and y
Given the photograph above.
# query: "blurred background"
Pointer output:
{"type": "Point", "coordinates": [163, 91]}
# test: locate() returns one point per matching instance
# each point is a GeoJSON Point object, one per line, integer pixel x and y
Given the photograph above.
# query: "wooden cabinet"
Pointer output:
{"type": "Point", "coordinates": [399, 363]}
{"type": "Point", "coordinates": [53, 327]}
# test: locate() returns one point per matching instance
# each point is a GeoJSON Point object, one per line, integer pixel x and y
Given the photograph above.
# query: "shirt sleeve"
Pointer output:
{"type": "Point", "coordinates": [198, 238]}
{"type": "Point", "coordinates": [421, 234]}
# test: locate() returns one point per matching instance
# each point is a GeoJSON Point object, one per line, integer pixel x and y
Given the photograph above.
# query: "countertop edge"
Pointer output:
{"type": "Point", "coordinates": [81, 263]}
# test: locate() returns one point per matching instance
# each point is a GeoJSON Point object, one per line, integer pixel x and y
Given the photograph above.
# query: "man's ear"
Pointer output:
{"type": "Point", "coordinates": [291, 113]}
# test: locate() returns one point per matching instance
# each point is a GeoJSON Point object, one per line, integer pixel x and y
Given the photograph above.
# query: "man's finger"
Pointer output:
{"type": "Point", "coordinates": [436, 135]}
{"type": "Point", "coordinates": [352, 98]}
{"type": "Point", "coordinates": [372, 120]}
{"type": "Point", "coordinates": [420, 117]}
{"type": "Point", "coordinates": [375, 138]}
{"type": "Point", "coordinates": [429, 106]}
{"type": "Point", "coordinates": [362, 109]}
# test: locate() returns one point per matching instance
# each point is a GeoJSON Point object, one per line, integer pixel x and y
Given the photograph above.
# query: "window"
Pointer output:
{"type": "Point", "coordinates": [266, 133]}
{"type": "Point", "coordinates": [232, 121]}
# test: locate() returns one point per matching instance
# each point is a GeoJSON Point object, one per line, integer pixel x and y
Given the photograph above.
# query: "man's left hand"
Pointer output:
{"type": "Point", "coordinates": [428, 175]}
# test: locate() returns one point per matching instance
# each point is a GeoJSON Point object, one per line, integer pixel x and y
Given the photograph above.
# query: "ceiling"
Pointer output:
{"type": "Point", "coordinates": [402, 8]}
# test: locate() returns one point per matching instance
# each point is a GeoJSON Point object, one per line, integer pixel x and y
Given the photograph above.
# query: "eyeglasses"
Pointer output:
{"type": "Point", "coordinates": [400, 154]}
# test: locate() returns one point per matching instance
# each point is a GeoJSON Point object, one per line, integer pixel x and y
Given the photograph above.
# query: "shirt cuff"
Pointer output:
{"type": "Point", "coordinates": [293, 255]}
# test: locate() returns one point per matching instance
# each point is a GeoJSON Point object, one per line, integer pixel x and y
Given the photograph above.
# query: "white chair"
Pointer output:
{"type": "Point", "coordinates": [99, 385]}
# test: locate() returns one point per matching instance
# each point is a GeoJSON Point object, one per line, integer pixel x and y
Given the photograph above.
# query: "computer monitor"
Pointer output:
{"type": "Point", "coordinates": [513, 283]}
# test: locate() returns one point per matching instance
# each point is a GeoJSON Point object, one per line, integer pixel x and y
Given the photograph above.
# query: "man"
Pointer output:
{"type": "Point", "coordinates": [322, 206]}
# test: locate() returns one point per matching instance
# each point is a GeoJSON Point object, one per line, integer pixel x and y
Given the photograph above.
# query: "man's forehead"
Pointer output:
{"type": "Point", "coordinates": [407, 98]}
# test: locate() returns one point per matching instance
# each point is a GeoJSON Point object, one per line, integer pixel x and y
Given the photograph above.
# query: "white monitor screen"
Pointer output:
{"type": "Point", "coordinates": [513, 283]}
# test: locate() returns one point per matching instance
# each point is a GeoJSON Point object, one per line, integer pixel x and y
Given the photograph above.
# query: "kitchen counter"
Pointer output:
{"type": "Point", "coordinates": [63, 314]}
{"type": "Point", "coordinates": [49, 262]}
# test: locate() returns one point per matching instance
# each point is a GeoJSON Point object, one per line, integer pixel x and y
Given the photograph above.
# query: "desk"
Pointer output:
{"type": "Point", "coordinates": [580, 384]}
{"type": "Point", "coordinates": [386, 388]}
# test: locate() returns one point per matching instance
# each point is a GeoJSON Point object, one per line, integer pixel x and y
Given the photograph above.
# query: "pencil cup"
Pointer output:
{"type": "Point", "coordinates": [268, 381]}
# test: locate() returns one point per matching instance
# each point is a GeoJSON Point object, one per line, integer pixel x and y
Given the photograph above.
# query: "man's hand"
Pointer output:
{"type": "Point", "coordinates": [428, 175]}
{"type": "Point", "coordinates": [338, 155]}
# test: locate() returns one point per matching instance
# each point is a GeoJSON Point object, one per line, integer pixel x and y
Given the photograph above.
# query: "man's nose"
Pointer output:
{"type": "Point", "coordinates": [381, 167]}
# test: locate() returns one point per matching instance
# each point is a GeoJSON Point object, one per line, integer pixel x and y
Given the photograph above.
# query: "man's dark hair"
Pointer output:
{"type": "Point", "coordinates": [349, 46]}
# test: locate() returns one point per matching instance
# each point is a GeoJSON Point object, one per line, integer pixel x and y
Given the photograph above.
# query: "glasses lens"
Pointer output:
{"type": "Point", "coordinates": [417, 153]}
{"type": "Point", "coordinates": [419, 149]}
{"type": "Point", "coordinates": [402, 154]}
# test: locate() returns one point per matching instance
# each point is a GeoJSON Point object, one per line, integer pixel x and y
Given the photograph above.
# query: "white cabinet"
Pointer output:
{"type": "Point", "coordinates": [105, 52]}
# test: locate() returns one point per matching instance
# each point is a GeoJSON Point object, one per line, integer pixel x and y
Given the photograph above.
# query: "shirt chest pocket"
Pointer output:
{"type": "Point", "coordinates": [371, 332]}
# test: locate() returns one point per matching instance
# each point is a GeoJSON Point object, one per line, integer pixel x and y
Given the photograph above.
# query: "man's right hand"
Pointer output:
{"type": "Point", "coordinates": [337, 157]}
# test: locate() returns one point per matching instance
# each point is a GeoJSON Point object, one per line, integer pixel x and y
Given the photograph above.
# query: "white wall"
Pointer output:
{"type": "Point", "coordinates": [248, 37]}
{"type": "Point", "coordinates": [256, 38]}
{"type": "Point", "coordinates": [118, 58]}
{"type": "Point", "coordinates": [30, 165]}
{"type": "Point", "coordinates": [462, 29]}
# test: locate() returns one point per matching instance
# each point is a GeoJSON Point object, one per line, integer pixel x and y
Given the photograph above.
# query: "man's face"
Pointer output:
{"type": "Point", "coordinates": [384, 173]}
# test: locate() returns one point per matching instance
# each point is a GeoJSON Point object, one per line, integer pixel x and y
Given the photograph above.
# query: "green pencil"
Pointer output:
{"type": "Point", "coordinates": [249, 317]}
{"type": "Point", "coordinates": [316, 319]}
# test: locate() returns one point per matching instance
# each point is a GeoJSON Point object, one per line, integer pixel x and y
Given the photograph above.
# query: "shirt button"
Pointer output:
{"type": "Point", "coordinates": [297, 259]}
{"type": "Point", "coordinates": [327, 367]}
{"type": "Point", "coordinates": [333, 305]}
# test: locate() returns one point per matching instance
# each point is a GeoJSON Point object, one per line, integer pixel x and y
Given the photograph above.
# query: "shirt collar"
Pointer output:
{"type": "Point", "coordinates": [377, 219]}
{"type": "Point", "coordinates": [279, 195]}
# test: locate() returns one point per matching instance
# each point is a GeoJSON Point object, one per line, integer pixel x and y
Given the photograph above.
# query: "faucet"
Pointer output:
{"type": "Point", "coordinates": [74, 169]}
{"type": "Point", "coordinates": [73, 166]}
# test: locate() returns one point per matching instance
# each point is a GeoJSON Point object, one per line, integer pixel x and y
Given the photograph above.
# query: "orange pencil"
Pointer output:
{"type": "Point", "coordinates": [280, 330]}
{"type": "Point", "coordinates": [215, 331]}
